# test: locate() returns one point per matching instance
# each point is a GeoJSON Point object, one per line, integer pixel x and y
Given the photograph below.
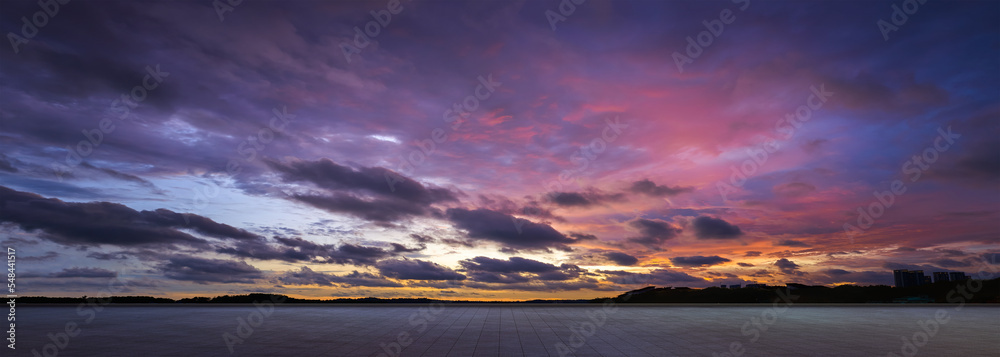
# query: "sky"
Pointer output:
{"type": "Point", "coordinates": [494, 150]}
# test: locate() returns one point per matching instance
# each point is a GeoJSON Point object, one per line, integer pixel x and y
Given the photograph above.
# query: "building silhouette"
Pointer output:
{"type": "Point", "coordinates": [909, 278]}
{"type": "Point", "coordinates": [958, 276]}
{"type": "Point", "coordinates": [940, 276]}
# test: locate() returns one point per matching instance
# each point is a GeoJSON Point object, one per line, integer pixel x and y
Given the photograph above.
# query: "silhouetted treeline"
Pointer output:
{"type": "Point", "coordinates": [944, 292]}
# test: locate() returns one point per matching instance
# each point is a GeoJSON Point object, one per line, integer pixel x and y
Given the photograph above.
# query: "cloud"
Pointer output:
{"type": "Point", "coordinates": [792, 243]}
{"type": "Point", "coordinates": [84, 273]}
{"type": "Point", "coordinates": [118, 175]}
{"type": "Point", "coordinates": [706, 227]}
{"type": "Point", "coordinates": [652, 232]}
{"type": "Point", "coordinates": [96, 223]}
{"type": "Point", "coordinates": [205, 271]}
{"type": "Point", "coordinates": [649, 188]}
{"type": "Point", "coordinates": [517, 270]}
{"type": "Point", "coordinates": [372, 193]}
{"type": "Point", "coordinates": [620, 258]}
{"type": "Point", "coordinates": [508, 230]}
{"type": "Point", "coordinates": [511, 265]}
{"type": "Point", "coordinates": [306, 276]}
{"type": "Point", "coordinates": [787, 266]}
{"type": "Point", "coordinates": [950, 263]}
{"type": "Point", "coordinates": [655, 277]}
{"type": "Point", "coordinates": [753, 253]}
{"type": "Point", "coordinates": [47, 256]}
{"type": "Point", "coordinates": [746, 265]}
{"type": "Point", "coordinates": [793, 189]}
{"type": "Point", "coordinates": [698, 261]}
{"type": "Point", "coordinates": [5, 164]}
{"type": "Point", "coordinates": [413, 269]}
{"type": "Point", "coordinates": [587, 198]}
{"type": "Point", "coordinates": [297, 249]}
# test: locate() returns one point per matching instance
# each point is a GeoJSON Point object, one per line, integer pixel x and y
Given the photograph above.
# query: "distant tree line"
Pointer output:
{"type": "Point", "coordinates": [943, 292]}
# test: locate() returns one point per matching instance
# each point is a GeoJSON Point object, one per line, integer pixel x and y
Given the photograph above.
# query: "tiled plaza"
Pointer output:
{"type": "Point", "coordinates": [509, 330]}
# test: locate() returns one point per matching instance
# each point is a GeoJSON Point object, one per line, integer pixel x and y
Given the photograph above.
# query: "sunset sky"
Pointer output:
{"type": "Point", "coordinates": [495, 149]}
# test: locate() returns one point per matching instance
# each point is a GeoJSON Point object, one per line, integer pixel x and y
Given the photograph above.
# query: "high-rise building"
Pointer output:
{"type": "Point", "coordinates": [908, 278]}
{"type": "Point", "coordinates": [940, 276]}
{"type": "Point", "coordinates": [958, 276]}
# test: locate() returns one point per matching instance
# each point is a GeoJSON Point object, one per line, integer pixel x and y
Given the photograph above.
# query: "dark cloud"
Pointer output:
{"type": "Point", "coordinates": [569, 199]}
{"type": "Point", "coordinates": [5, 164]}
{"type": "Point", "coordinates": [650, 188]}
{"type": "Point", "coordinates": [413, 269]}
{"type": "Point", "coordinates": [706, 227]}
{"type": "Point", "coordinates": [787, 266]}
{"type": "Point", "coordinates": [746, 265]}
{"type": "Point", "coordinates": [205, 271]}
{"type": "Point", "coordinates": [652, 232]}
{"type": "Point", "coordinates": [306, 276]}
{"type": "Point", "coordinates": [583, 236]}
{"type": "Point", "coordinates": [373, 193]}
{"type": "Point", "coordinates": [587, 198]}
{"type": "Point", "coordinates": [698, 261]}
{"type": "Point", "coordinates": [538, 286]}
{"type": "Point", "coordinates": [517, 270]}
{"type": "Point", "coordinates": [839, 276]}
{"type": "Point", "coordinates": [950, 263]}
{"type": "Point", "coordinates": [118, 175]}
{"type": "Point", "coordinates": [399, 248]}
{"type": "Point", "coordinates": [511, 265]}
{"type": "Point", "coordinates": [602, 257]}
{"type": "Point", "coordinates": [792, 243]}
{"type": "Point", "coordinates": [300, 250]}
{"type": "Point", "coordinates": [47, 256]}
{"type": "Point", "coordinates": [422, 238]}
{"type": "Point", "coordinates": [508, 230]}
{"type": "Point", "coordinates": [84, 273]}
{"type": "Point", "coordinates": [620, 258]}
{"type": "Point", "coordinates": [95, 223]}
{"type": "Point", "coordinates": [753, 253]}
{"type": "Point", "coordinates": [655, 277]}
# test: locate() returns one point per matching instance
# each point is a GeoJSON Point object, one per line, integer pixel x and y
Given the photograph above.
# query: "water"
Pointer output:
{"type": "Point", "coordinates": [505, 330]}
